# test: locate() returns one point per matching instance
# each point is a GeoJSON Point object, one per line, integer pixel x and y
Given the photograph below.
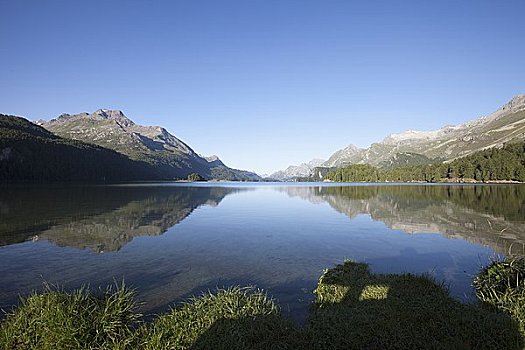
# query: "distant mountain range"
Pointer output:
{"type": "Point", "coordinates": [153, 145]}
{"type": "Point", "coordinates": [108, 146]}
{"type": "Point", "coordinates": [412, 147]}
{"type": "Point", "coordinates": [301, 170]}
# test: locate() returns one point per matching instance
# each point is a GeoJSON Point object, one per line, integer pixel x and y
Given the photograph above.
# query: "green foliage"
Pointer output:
{"type": "Point", "coordinates": [355, 173]}
{"type": "Point", "coordinates": [195, 177]}
{"type": "Point", "coordinates": [495, 164]}
{"type": "Point", "coordinates": [354, 310]}
{"type": "Point", "coordinates": [236, 318]}
{"type": "Point", "coordinates": [501, 285]}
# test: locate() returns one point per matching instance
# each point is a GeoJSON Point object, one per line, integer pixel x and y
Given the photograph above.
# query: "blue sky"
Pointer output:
{"type": "Point", "coordinates": [264, 84]}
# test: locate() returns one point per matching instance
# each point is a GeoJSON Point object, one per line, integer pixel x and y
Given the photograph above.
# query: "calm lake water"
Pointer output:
{"type": "Point", "coordinates": [174, 240]}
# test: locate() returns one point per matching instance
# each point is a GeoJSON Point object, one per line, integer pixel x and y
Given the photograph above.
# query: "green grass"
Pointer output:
{"type": "Point", "coordinates": [501, 286]}
{"type": "Point", "coordinates": [230, 319]}
{"type": "Point", "coordinates": [79, 320]}
{"type": "Point", "coordinates": [354, 309]}
{"type": "Point", "coordinates": [359, 310]}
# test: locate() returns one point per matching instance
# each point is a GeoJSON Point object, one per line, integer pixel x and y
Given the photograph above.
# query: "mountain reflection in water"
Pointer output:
{"type": "Point", "coordinates": [491, 215]}
{"type": "Point", "coordinates": [99, 218]}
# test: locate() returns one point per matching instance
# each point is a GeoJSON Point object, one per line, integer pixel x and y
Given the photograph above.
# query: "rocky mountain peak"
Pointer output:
{"type": "Point", "coordinates": [117, 115]}
{"type": "Point", "coordinates": [212, 158]}
{"type": "Point", "coordinates": [352, 147]}
{"type": "Point", "coordinates": [350, 153]}
{"type": "Point", "coordinates": [63, 117]}
{"type": "Point", "coordinates": [410, 135]}
{"type": "Point", "coordinates": [163, 132]}
{"type": "Point", "coordinates": [507, 124]}
{"type": "Point", "coordinates": [315, 162]}
{"type": "Point", "coordinates": [516, 104]}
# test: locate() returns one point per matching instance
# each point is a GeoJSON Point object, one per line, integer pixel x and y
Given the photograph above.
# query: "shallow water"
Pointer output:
{"type": "Point", "coordinates": [174, 240]}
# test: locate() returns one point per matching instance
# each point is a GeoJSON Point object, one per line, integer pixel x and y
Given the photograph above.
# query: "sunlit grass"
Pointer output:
{"type": "Point", "coordinates": [56, 319]}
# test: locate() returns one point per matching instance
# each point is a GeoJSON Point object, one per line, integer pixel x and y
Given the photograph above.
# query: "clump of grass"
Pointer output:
{"type": "Point", "coordinates": [359, 310]}
{"type": "Point", "coordinates": [57, 319]}
{"type": "Point", "coordinates": [235, 318]}
{"type": "Point", "coordinates": [501, 285]}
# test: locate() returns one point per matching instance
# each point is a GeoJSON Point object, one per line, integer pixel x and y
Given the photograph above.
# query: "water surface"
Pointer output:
{"type": "Point", "coordinates": [170, 241]}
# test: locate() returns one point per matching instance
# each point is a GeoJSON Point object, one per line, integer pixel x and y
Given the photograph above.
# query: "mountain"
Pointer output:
{"type": "Point", "coordinates": [30, 153]}
{"type": "Point", "coordinates": [350, 154]}
{"type": "Point", "coordinates": [151, 144]}
{"type": "Point", "coordinates": [292, 171]}
{"type": "Point", "coordinates": [414, 147]}
{"type": "Point", "coordinates": [499, 164]}
{"type": "Point", "coordinates": [450, 142]}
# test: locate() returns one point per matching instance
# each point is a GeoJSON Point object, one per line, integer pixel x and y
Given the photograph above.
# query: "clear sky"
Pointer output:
{"type": "Point", "coordinates": [264, 83]}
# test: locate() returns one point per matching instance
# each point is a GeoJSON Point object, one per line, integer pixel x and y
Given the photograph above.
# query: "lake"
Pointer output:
{"type": "Point", "coordinates": [170, 241]}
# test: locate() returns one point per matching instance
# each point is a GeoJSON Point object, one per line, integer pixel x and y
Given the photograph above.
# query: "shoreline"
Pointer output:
{"type": "Point", "coordinates": [354, 309]}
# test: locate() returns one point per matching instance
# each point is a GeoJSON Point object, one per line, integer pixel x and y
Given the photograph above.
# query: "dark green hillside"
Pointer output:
{"type": "Point", "coordinates": [228, 174]}
{"type": "Point", "coordinates": [11, 125]}
{"type": "Point", "coordinates": [30, 153]}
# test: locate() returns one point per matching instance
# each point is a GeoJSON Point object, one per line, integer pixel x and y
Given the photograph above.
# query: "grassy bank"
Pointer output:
{"type": "Point", "coordinates": [354, 309]}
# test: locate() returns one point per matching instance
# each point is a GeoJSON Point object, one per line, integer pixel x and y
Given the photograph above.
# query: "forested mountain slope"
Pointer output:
{"type": "Point", "coordinates": [30, 153]}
